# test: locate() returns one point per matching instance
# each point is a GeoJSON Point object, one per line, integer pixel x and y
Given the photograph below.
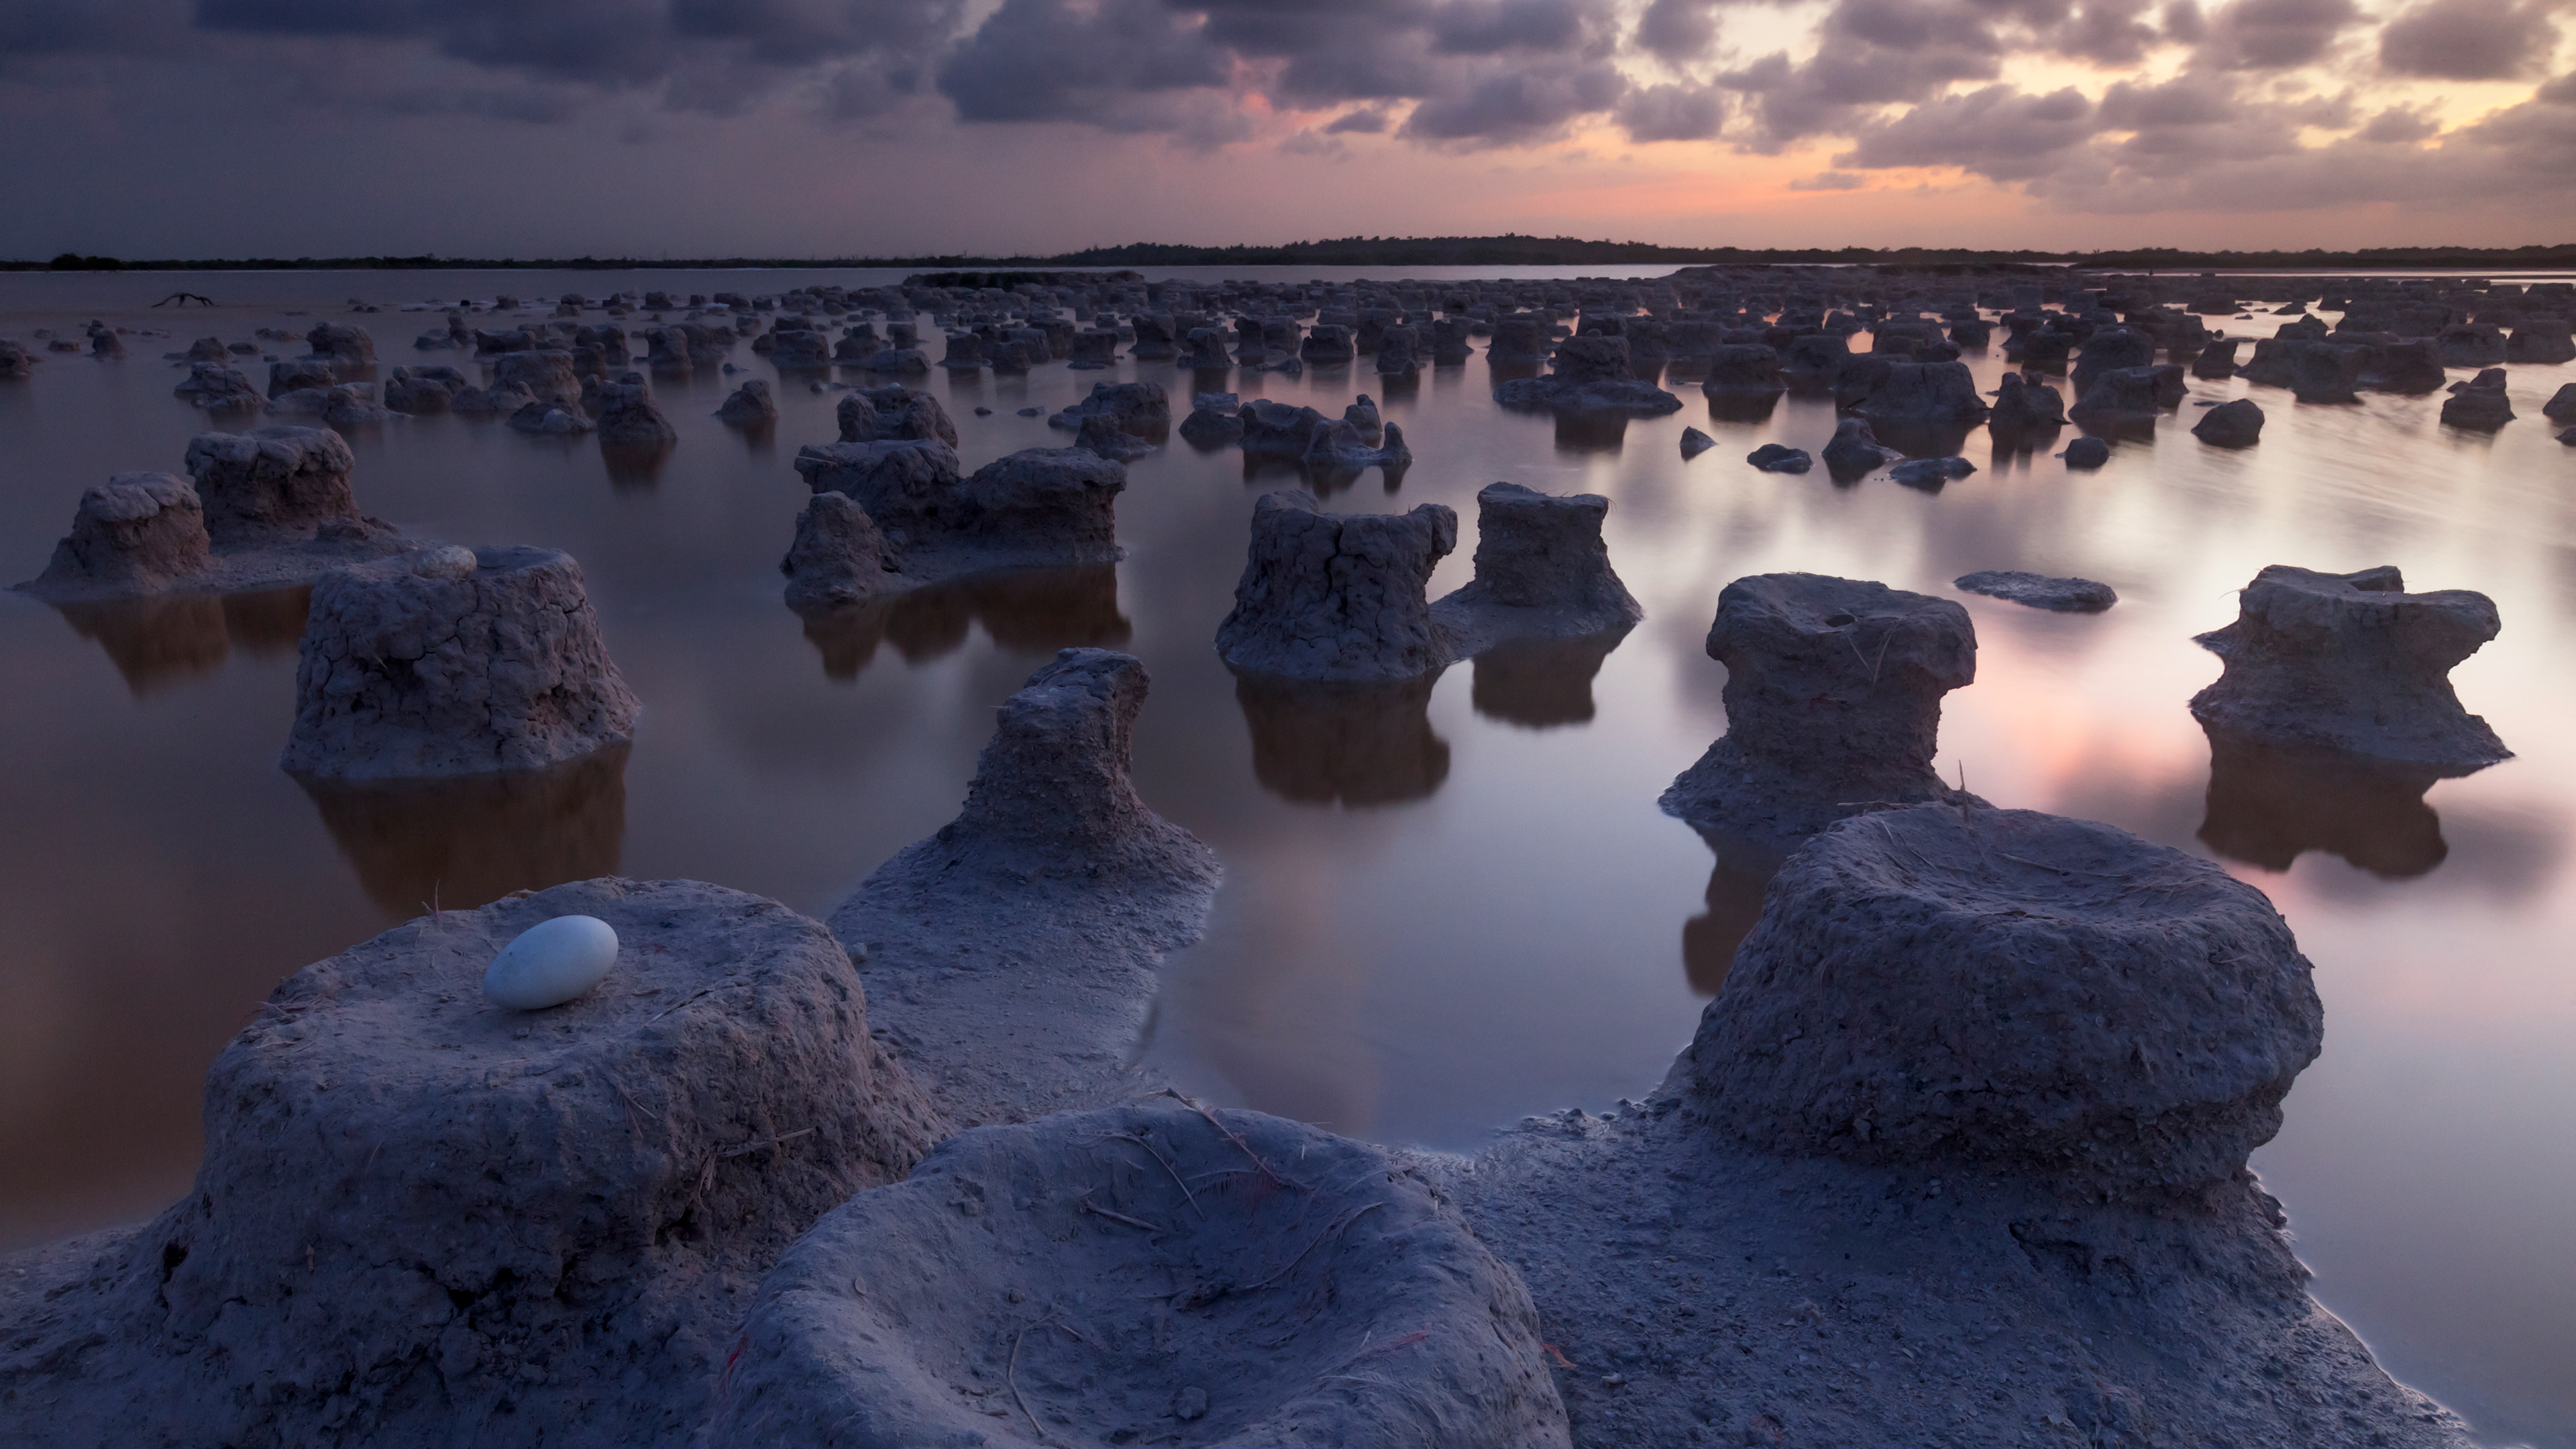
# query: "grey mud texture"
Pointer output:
{"type": "Point", "coordinates": [1542, 572]}
{"type": "Point", "coordinates": [1144, 1275]}
{"type": "Point", "coordinates": [2352, 662]}
{"type": "Point", "coordinates": [264, 509]}
{"type": "Point", "coordinates": [1833, 706]}
{"type": "Point", "coordinates": [2004, 991]}
{"type": "Point", "coordinates": [426, 1219]}
{"type": "Point", "coordinates": [1333, 596]}
{"type": "Point", "coordinates": [1009, 1014]}
{"type": "Point", "coordinates": [453, 661]}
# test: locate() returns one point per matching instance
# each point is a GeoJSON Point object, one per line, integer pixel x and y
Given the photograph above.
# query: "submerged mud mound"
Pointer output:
{"type": "Point", "coordinates": [1542, 572]}
{"type": "Point", "coordinates": [453, 661]}
{"type": "Point", "coordinates": [1833, 706]}
{"type": "Point", "coordinates": [420, 1211]}
{"type": "Point", "coordinates": [1338, 596]}
{"type": "Point", "coordinates": [1144, 1275]}
{"type": "Point", "coordinates": [2010, 992]}
{"type": "Point", "coordinates": [1010, 956]}
{"type": "Point", "coordinates": [2352, 662]}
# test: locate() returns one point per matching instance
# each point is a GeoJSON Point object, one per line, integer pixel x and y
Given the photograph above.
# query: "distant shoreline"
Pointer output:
{"type": "Point", "coordinates": [1497, 251]}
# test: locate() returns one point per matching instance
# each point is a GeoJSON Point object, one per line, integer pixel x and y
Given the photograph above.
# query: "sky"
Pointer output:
{"type": "Point", "coordinates": [826, 128]}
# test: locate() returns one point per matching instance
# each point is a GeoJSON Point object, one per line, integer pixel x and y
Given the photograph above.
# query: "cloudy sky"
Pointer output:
{"type": "Point", "coordinates": [844, 127]}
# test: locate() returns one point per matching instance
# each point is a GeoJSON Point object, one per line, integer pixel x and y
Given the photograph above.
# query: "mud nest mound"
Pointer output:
{"type": "Point", "coordinates": [1144, 1275]}
{"type": "Point", "coordinates": [419, 1209]}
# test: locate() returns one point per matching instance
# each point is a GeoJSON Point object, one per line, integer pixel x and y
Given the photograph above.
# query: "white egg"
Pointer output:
{"type": "Point", "coordinates": [552, 963]}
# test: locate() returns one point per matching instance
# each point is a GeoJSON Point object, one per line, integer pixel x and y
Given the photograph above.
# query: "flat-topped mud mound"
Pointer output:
{"type": "Point", "coordinates": [2016, 992]}
{"type": "Point", "coordinates": [419, 1209]}
{"type": "Point", "coordinates": [453, 661]}
{"type": "Point", "coordinates": [1144, 1275]}
{"type": "Point", "coordinates": [1542, 571]}
{"type": "Point", "coordinates": [2353, 662]}
{"type": "Point", "coordinates": [1340, 596]}
{"type": "Point", "coordinates": [1833, 706]}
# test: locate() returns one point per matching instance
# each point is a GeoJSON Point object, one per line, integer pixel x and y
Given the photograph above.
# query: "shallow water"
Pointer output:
{"type": "Point", "coordinates": [1444, 909]}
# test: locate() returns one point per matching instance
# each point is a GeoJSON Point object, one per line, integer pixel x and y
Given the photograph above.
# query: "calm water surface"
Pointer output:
{"type": "Point", "coordinates": [1442, 911]}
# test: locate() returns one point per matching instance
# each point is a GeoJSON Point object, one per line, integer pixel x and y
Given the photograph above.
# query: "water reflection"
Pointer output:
{"type": "Point", "coordinates": [467, 841]}
{"type": "Point", "coordinates": [157, 641]}
{"type": "Point", "coordinates": [1584, 432]}
{"type": "Point", "coordinates": [1542, 683]}
{"type": "Point", "coordinates": [1740, 408]}
{"type": "Point", "coordinates": [635, 465]}
{"type": "Point", "coordinates": [1352, 744]}
{"type": "Point", "coordinates": [2270, 803]}
{"type": "Point", "coordinates": [1734, 898]}
{"type": "Point", "coordinates": [1027, 611]}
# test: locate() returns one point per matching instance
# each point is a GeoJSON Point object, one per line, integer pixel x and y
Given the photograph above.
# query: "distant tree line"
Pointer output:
{"type": "Point", "coordinates": [1507, 250]}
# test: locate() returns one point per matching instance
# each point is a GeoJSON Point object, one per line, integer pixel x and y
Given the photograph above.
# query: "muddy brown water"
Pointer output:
{"type": "Point", "coordinates": [1446, 907]}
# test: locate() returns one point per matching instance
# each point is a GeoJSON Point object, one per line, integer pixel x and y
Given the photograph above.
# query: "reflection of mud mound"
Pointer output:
{"type": "Point", "coordinates": [160, 638]}
{"type": "Point", "coordinates": [1027, 611]}
{"type": "Point", "coordinates": [1735, 886]}
{"type": "Point", "coordinates": [1591, 432]}
{"type": "Point", "coordinates": [1542, 682]}
{"type": "Point", "coordinates": [1739, 408]}
{"type": "Point", "coordinates": [464, 841]}
{"type": "Point", "coordinates": [2271, 803]}
{"type": "Point", "coordinates": [1358, 744]}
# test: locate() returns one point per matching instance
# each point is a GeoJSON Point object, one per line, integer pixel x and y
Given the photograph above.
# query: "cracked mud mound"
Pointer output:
{"type": "Point", "coordinates": [1144, 1275]}
{"type": "Point", "coordinates": [421, 1212]}
{"type": "Point", "coordinates": [1335, 596]}
{"type": "Point", "coordinates": [453, 662]}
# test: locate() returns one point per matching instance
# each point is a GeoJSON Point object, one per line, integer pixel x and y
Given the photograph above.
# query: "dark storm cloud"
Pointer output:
{"type": "Point", "coordinates": [1366, 121]}
{"type": "Point", "coordinates": [1045, 60]}
{"type": "Point", "coordinates": [1517, 104]}
{"type": "Point", "coordinates": [606, 42]}
{"type": "Point", "coordinates": [2399, 126]}
{"type": "Point", "coordinates": [1678, 30]}
{"type": "Point", "coordinates": [2273, 34]}
{"type": "Point", "coordinates": [1672, 113]}
{"type": "Point", "coordinates": [1998, 132]}
{"type": "Point", "coordinates": [1490, 27]}
{"type": "Point", "coordinates": [2468, 40]}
